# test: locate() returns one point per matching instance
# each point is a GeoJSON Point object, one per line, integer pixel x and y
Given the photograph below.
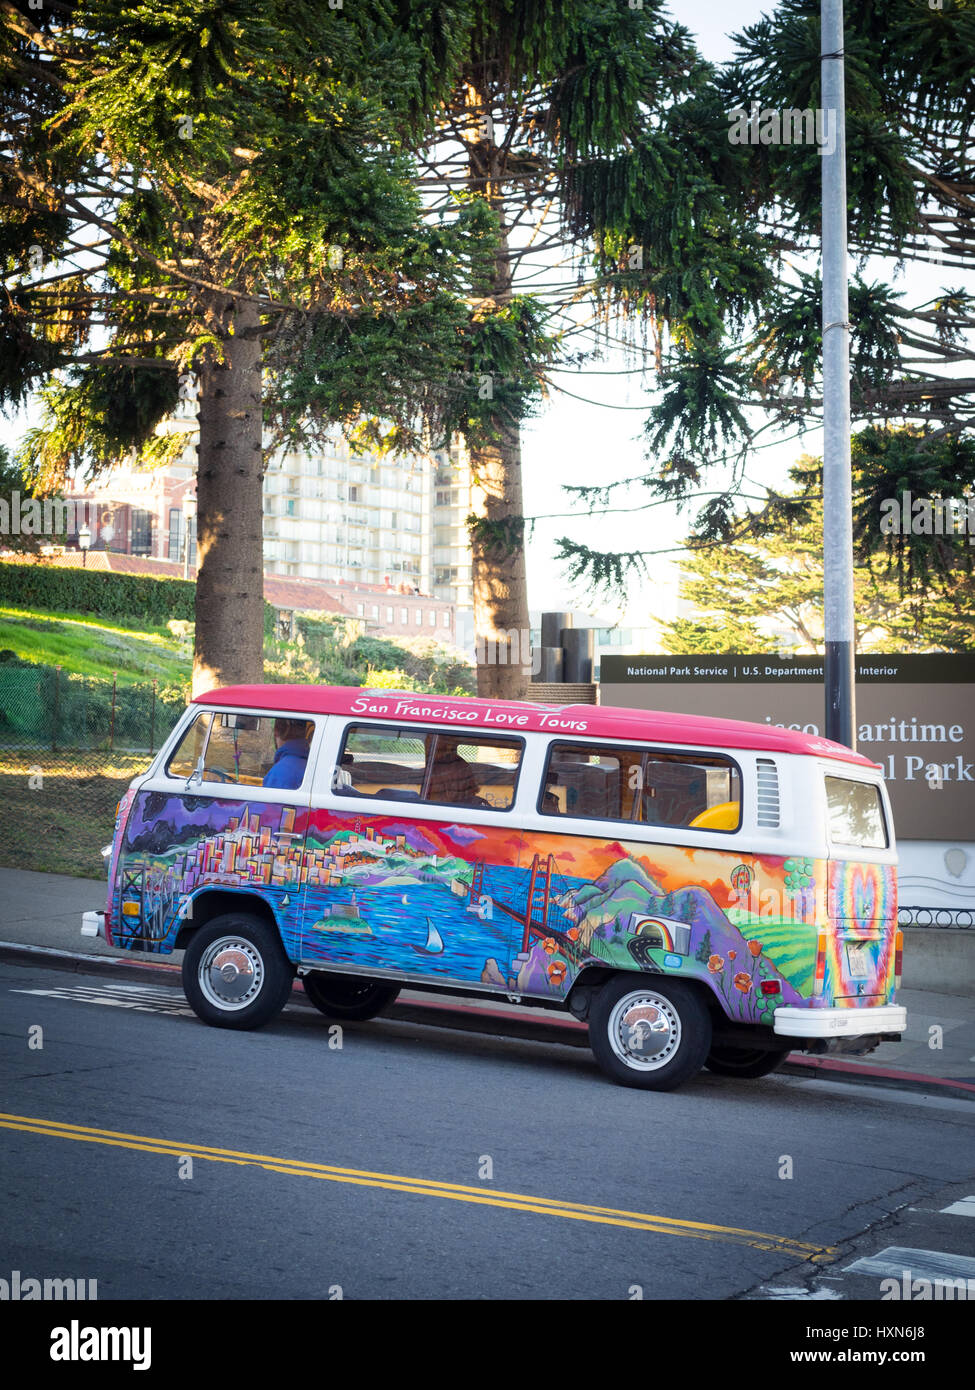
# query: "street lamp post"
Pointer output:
{"type": "Point", "coordinates": [189, 515]}
{"type": "Point", "coordinates": [837, 484]}
{"type": "Point", "coordinates": [84, 540]}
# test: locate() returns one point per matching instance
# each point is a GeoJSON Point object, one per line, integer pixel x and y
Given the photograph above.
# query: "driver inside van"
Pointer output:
{"type": "Point", "coordinates": [449, 777]}
{"type": "Point", "coordinates": [287, 771]}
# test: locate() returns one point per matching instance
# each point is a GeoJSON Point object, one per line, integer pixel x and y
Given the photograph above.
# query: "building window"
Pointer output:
{"type": "Point", "coordinates": [375, 612]}
{"type": "Point", "coordinates": [360, 610]}
{"type": "Point", "coordinates": [404, 615]}
{"type": "Point", "coordinates": [390, 615]}
{"type": "Point", "coordinates": [432, 618]}
{"type": "Point", "coordinates": [141, 534]}
{"type": "Point", "coordinates": [446, 619]}
{"type": "Point", "coordinates": [173, 549]}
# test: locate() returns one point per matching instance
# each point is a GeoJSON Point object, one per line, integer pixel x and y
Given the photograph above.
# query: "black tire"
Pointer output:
{"type": "Point", "coordinates": [347, 996]}
{"type": "Point", "coordinates": [745, 1062]}
{"type": "Point", "coordinates": [236, 973]}
{"type": "Point", "coordinates": [673, 1008]}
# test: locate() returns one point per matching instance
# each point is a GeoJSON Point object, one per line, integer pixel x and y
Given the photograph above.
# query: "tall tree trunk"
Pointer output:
{"type": "Point", "coordinates": [498, 569]}
{"type": "Point", "coordinates": [230, 541]}
{"type": "Point", "coordinates": [499, 580]}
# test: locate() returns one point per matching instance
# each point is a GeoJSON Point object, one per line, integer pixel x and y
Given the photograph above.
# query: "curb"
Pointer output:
{"type": "Point", "coordinates": [478, 1018]}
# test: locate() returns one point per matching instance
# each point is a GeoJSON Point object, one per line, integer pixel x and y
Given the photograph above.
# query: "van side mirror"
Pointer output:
{"type": "Point", "coordinates": [196, 775]}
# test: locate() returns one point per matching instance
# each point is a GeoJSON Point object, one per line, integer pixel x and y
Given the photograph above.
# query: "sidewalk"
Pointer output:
{"type": "Point", "coordinates": [43, 911]}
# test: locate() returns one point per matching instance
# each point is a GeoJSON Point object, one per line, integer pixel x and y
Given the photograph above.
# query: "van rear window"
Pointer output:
{"type": "Point", "coordinates": [609, 782]}
{"type": "Point", "coordinates": [856, 813]}
{"type": "Point", "coordinates": [413, 765]}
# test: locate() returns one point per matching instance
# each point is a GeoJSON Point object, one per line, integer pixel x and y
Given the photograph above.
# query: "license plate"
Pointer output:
{"type": "Point", "coordinates": [858, 961]}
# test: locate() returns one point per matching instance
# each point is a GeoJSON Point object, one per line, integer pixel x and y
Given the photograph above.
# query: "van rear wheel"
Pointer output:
{"type": "Point", "coordinates": [745, 1062]}
{"type": "Point", "coordinates": [347, 996]}
{"type": "Point", "coordinates": [651, 1035]}
{"type": "Point", "coordinates": [236, 973]}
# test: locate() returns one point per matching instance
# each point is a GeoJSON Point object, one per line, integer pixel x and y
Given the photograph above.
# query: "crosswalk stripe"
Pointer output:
{"type": "Point", "coordinates": [897, 1260]}
{"type": "Point", "coordinates": [966, 1207]}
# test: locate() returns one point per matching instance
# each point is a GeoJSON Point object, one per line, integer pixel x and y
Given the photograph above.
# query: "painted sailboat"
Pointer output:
{"type": "Point", "coordinates": [434, 943]}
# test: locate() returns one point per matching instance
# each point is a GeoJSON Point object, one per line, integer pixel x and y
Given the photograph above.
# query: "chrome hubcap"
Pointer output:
{"type": "Point", "coordinates": [231, 973]}
{"type": "Point", "coordinates": [644, 1030]}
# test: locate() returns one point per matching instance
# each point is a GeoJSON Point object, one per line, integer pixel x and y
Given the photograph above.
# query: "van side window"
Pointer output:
{"type": "Point", "coordinates": [856, 815]}
{"type": "Point", "coordinates": [244, 750]}
{"type": "Point", "coordinates": [609, 782]}
{"type": "Point", "coordinates": [456, 769]}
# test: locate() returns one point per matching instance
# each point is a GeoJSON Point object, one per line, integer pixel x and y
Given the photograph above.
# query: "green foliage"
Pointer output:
{"type": "Point", "coordinates": [334, 650]}
{"type": "Point", "coordinates": [762, 591]}
{"type": "Point", "coordinates": [735, 367]}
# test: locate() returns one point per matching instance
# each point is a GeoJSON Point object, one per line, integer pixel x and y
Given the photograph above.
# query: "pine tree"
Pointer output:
{"type": "Point", "coordinates": [762, 591]}
{"type": "Point", "coordinates": [591, 135]}
{"type": "Point", "coordinates": [217, 197]}
{"type": "Point", "coordinates": [910, 92]}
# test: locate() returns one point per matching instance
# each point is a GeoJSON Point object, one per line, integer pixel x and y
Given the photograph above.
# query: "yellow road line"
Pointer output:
{"type": "Point", "coordinates": [426, 1187]}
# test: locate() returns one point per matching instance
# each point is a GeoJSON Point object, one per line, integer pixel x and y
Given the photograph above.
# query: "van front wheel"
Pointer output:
{"type": "Point", "coordinates": [236, 973]}
{"type": "Point", "coordinates": [651, 1035]}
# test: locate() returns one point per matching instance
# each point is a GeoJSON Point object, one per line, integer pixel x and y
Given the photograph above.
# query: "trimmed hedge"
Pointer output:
{"type": "Point", "coordinates": [143, 597]}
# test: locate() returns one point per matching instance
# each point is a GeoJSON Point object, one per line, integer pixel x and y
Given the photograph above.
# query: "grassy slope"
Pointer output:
{"type": "Point", "coordinates": [57, 815]}
{"type": "Point", "coordinates": [58, 811]}
{"type": "Point", "coordinates": [90, 646]}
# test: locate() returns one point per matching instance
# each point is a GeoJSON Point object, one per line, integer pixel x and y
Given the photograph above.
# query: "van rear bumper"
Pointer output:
{"type": "Point", "coordinates": [791, 1022]}
{"type": "Point", "coordinates": [93, 924]}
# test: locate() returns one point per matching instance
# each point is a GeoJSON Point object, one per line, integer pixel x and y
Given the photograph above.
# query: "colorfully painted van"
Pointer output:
{"type": "Point", "coordinates": [703, 892]}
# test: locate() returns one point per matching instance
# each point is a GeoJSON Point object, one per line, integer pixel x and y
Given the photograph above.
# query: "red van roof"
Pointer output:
{"type": "Point", "coordinates": [515, 716]}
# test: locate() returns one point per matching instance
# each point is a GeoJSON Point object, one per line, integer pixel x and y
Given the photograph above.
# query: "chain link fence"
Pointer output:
{"type": "Point", "coordinates": [69, 746]}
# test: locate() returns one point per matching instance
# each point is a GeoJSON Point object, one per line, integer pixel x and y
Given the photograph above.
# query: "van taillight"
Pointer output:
{"type": "Point", "coordinates": [820, 964]}
{"type": "Point", "coordinates": [898, 957]}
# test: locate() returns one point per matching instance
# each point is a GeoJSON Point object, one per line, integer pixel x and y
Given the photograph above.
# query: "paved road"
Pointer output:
{"type": "Point", "coordinates": [417, 1163]}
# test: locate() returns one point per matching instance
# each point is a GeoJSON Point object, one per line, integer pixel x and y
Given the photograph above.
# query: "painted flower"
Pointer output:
{"type": "Point", "coordinates": [573, 933]}
{"type": "Point", "coordinates": [743, 982]}
{"type": "Point", "coordinates": [715, 964]}
{"type": "Point", "coordinates": [756, 948]}
{"type": "Point", "coordinates": [556, 972]}
{"type": "Point", "coordinates": [732, 954]}
{"type": "Point", "coordinates": [549, 946]}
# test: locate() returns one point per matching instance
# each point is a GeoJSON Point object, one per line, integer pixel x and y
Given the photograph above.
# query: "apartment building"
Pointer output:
{"type": "Point", "coordinates": [340, 516]}
{"type": "Point", "coordinates": [386, 534]}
